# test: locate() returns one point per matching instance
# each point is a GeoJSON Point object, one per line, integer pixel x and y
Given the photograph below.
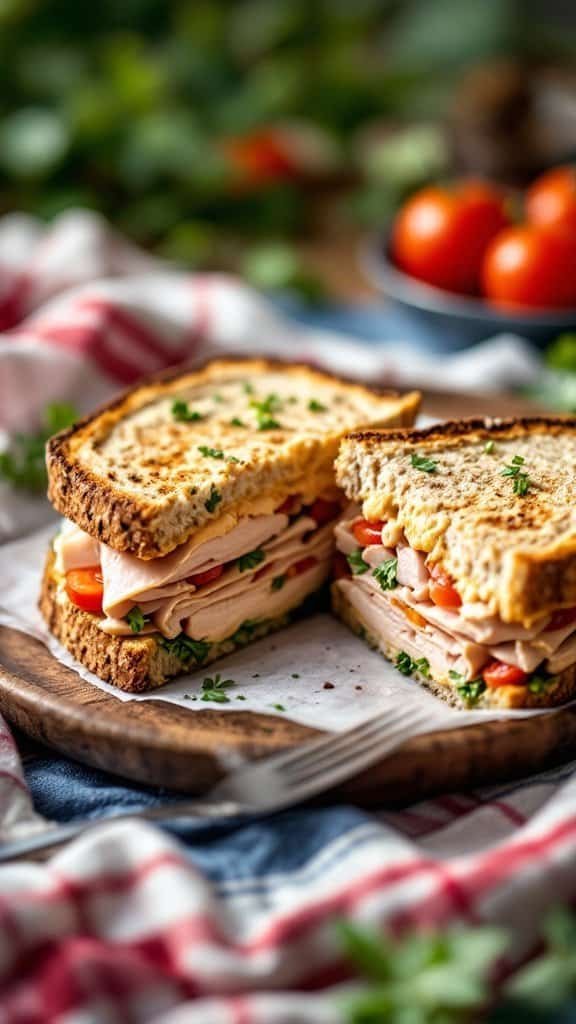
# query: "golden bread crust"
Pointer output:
{"type": "Point", "coordinates": [132, 475]}
{"type": "Point", "coordinates": [513, 552]}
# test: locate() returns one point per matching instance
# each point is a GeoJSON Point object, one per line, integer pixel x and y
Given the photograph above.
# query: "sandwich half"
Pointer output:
{"type": "Point", "coordinates": [199, 513]}
{"type": "Point", "coordinates": [458, 561]}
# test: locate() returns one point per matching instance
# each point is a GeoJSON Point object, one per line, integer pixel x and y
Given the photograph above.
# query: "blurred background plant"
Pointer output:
{"type": "Point", "coordinates": [222, 132]}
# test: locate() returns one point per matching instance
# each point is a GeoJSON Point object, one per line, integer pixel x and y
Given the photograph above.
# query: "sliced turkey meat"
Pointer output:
{"type": "Point", "coordinates": [470, 633]}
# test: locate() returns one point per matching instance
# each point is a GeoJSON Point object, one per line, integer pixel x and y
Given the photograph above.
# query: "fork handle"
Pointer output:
{"type": "Point", "coordinates": [41, 845]}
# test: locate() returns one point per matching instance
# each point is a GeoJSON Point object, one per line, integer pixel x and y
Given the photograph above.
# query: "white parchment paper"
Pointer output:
{"type": "Point", "coordinates": [285, 674]}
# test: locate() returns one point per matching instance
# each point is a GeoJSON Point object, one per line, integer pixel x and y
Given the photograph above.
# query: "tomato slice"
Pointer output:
{"type": "Point", "coordinates": [442, 590]}
{"type": "Point", "coordinates": [340, 568]}
{"type": "Point", "coordinates": [561, 618]}
{"type": "Point", "coordinates": [497, 673]}
{"type": "Point", "coordinates": [200, 579]}
{"type": "Point", "coordinates": [302, 566]}
{"type": "Point", "coordinates": [322, 511]}
{"type": "Point", "coordinates": [85, 588]}
{"type": "Point", "coordinates": [367, 532]}
{"type": "Point", "coordinates": [289, 504]}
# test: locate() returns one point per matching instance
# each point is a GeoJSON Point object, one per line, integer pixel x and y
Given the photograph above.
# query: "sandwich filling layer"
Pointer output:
{"type": "Point", "coordinates": [412, 607]}
{"type": "Point", "coordinates": [207, 588]}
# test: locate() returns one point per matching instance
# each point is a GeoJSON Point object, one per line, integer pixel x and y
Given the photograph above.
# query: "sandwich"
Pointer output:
{"type": "Point", "coordinates": [199, 513]}
{"type": "Point", "coordinates": [458, 559]}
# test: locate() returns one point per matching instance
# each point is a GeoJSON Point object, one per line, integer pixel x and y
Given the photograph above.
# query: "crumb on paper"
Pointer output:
{"type": "Point", "coordinates": [328, 686]}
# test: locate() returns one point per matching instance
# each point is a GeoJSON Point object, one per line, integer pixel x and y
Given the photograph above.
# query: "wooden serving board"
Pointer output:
{"type": "Point", "coordinates": [162, 744]}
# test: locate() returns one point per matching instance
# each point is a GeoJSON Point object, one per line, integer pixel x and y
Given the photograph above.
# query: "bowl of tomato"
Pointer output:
{"type": "Point", "coordinates": [456, 268]}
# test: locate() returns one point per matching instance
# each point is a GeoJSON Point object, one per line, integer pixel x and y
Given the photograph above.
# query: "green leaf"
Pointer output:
{"type": "Point", "coordinates": [278, 582]}
{"type": "Point", "coordinates": [210, 453]}
{"type": "Point", "coordinates": [561, 354]}
{"type": "Point", "coordinates": [136, 619]}
{"type": "Point", "coordinates": [423, 463]}
{"type": "Point", "coordinates": [404, 663]}
{"type": "Point", "coordinates": [213, 500]}
{"type": "Point", "coordinates": [236, 422]}
{"type": "Point", "coordinates": [489, 447]}
{"type": "Point", "coordinates": [370, 952]}
{"type": "Point", "coordinates": [183, 414]}
{"type": "Point", "coordinates": [386, 574]}
{"type": "Point", "coordinates": [213, 689]}
{"type": "Point", "coordinates": [186, 649]}
{"type": "Point", "coordinates": [357, 563]}
{"type": "Point", "coordinates": [315, 406]}
{"type": "Point", "coordinates": [251, 560]}
{"type": "Point", "coordinates": [264, 410]}
{"type": "Point", "coordinates": [23, 464]}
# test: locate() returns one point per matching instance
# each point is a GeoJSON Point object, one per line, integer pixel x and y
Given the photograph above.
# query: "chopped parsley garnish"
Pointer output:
{"type": "Point", "coordinates": [540, 684]}
{"type": "Point", "coordinates": [217, 398]}
{"type": "Point", "coordinates": [279, 707]}
{"type": "Point", "coordinates": [521, 480]}
{"type": "Point", "coordinates": [469, 691]}
{"type": "Point", "coordinates": [251, 560]}
{"type": "Point", "coordinates": [24, 464]}
{"type": "Point", "coordinates": [489, 447]}
{"type": "Point", "coordinates": [264, 410]}
{"type": "Point", "coordinates": [245, 632]}
{"type": "Point", "coordinates": [136, 619]}
{"type": "Point", "coordinates": [408, 666]}
{"type": "Point", "coordinates": [210, 453]}
{"type": "Point", "coordinates": [236, 422]}
{"type": "Point", "coordinates": [214, 500]}
{"type": "Point", "coordinates": [214, 689]}
{"type": "Point", "coordinates": [357, 563]}
{"type": "Point", "coordinates": [423, 463]}
{"type": "Point", "coordinates": [278, 582]}
{"type": "Point", "coordinates": [186, 649]}
{"type": "Point", "coordinates": [404, 663]}
{"type": "Point", "coordinates": [183, 414]}
{"type": "Point", "coordinates": [386, 574]}
{"type": "Point", "coordinates": [248, 389]}
{"type": "Point", "coordinates": [315, 406]}
{"type": "Point", "coordinates": [215, 453]}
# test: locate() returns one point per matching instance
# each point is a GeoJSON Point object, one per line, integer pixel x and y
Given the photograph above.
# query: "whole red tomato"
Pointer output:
{"type": "Point", "coordinates": [531, 266]}
{"type": "Point", "coordinates": [551, 199]}
{"type": "Point", "coordinates": [440, 235]}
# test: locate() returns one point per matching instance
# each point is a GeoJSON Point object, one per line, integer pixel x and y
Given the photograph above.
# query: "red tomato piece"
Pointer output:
{"type": "Point", "coordinates": [563, 617]}
{"type": "Point", "coordinates": [367, 532]}
{"type": "Point", "coordinates": [85, 588]}
{"type": "Point", "coordinates": [340, 567]}
{"type": "Point", "coordinates": [442, 590]}
{"type": "Point", "coordinates": [261, 157]}
{"type": "Point", "coordinates": [531, 266]}
{"type": "Point", "coordinates": [302, 566]}
{"type": "Point", "coordinates": [200, 579]}
{"type": "Point", "coordinates": [289, 504]}
{"type": "Point", "coordinates": [322, 511]}
{"type": "Point", "coordinates": [551, 199]}
{"type": "Point", "coordinates": [440, 235]}
{"type": "Point", "coordinates": [497, 673]}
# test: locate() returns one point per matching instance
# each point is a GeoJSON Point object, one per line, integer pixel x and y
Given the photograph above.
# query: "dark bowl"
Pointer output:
{"type": "Point", "coordinates": [438, 320]}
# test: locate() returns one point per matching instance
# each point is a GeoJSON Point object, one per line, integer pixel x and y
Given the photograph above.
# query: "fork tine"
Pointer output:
{"type": "Point", "coordinates": [342, 760]}
{"type": "Point", "coordinates": [347, 768]}
{"type": "Point", "coordinates": [340, 745]}
{"type": "Point", "coordinates": [299, 755]}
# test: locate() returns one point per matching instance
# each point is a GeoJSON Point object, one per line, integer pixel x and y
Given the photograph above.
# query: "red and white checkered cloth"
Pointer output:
{"type": "Point", "coordinates": [120, 926]}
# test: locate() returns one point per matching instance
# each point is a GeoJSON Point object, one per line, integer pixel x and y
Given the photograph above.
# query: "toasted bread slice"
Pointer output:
{"type": "Point", "coordinates": [142, 474]}
{"type": "Point", "coordinates": [504, 529]}
{"type": "Point", "coordinates": [560, 689]}
{"type": "Point", "coordinates": [134, 664]}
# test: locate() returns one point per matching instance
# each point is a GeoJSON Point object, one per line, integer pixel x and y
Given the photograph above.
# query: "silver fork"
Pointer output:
{"type": "Point", "coordinates": [271, 784]}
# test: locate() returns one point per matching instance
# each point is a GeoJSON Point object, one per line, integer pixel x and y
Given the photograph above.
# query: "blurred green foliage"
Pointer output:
{"type": "Point", "coordinates": [128, 106]}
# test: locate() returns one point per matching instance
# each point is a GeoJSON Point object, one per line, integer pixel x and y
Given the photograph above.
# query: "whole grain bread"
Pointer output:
{"type": "Point", "coordinates": [142, 474]}
{"type": "Point", "coordinates": [561, 689]}
{"type": "Point", "coordinates": [503, 528]}
{"type": "Point", "coordinates": [134, 664]}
